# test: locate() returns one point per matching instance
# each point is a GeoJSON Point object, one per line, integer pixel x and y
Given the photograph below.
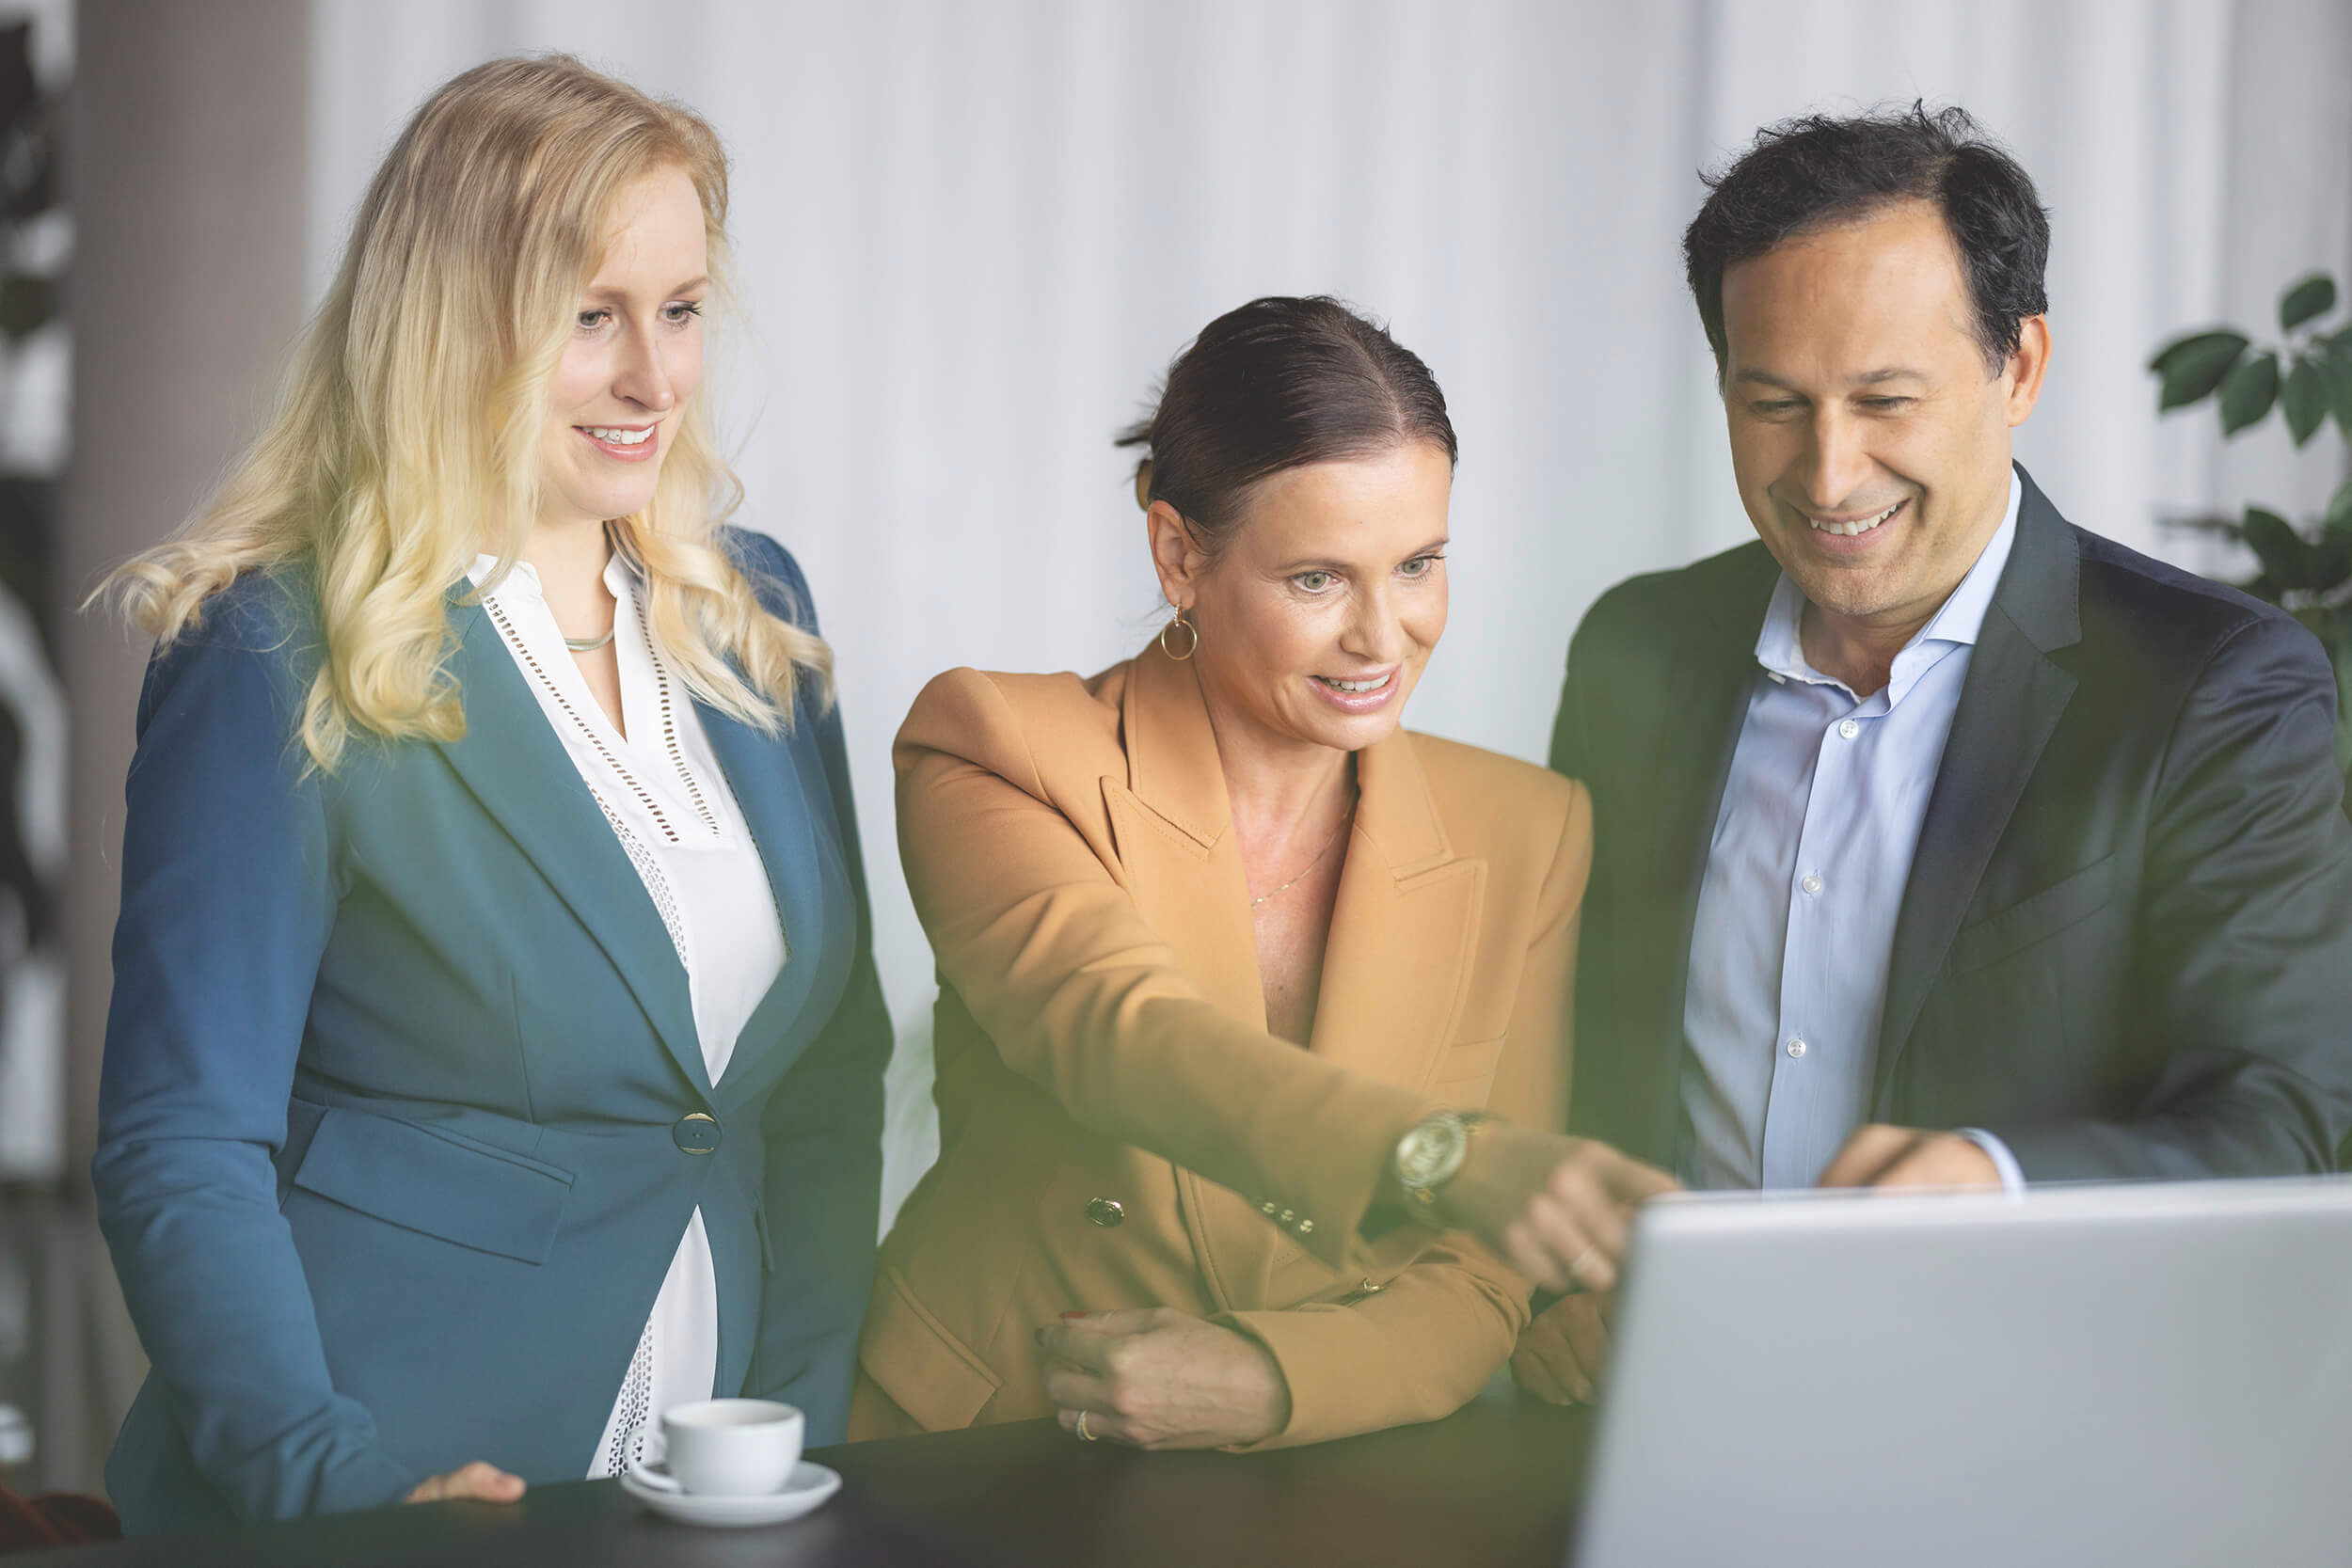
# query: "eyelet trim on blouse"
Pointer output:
{"type": "Point", "coordinates": [669, 724]}
{"type": "Point", "coordinates": [648, 869]}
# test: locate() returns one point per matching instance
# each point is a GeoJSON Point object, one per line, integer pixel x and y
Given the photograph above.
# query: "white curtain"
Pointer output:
{"type": "Point", "coordinates": [973, 234]}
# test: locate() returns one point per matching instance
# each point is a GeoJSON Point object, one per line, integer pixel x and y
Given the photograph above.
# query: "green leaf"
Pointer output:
{"type": "Point", "coordinates": [2193, 366]}
{"type": "Point", "coordinates": [2276, 545]}
{"type": "Point", "coordinates": [2335, 369]}
{"type": "Point", "coordinates": [2340, 509]}
{"type": "Point", "coordinates": [2312, 297]}
{"type": "Point", "coordinates": [2247, 392]}
{"type": "Point", "coordinates": [2331, 559]}
{"type": "Point", "coordinates": [2303, 397]}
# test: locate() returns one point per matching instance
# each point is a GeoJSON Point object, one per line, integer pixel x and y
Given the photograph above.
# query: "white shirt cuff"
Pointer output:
{"type": "Point", "coordinates": [2013, 1176]}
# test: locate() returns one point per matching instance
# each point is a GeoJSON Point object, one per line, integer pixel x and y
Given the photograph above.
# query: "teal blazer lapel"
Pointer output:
{"type": "Point", "coordinates": [514, 766]}
{"type": "Point", "coordinates": [779, 783]}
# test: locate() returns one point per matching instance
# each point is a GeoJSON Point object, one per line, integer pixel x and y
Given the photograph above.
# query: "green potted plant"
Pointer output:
{"type": "Point", "coordinates": [2306, 376]}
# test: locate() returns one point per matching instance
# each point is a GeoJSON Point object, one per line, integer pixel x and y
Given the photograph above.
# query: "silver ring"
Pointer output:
{"type": "Point", "coordinates": [1083, 1435]}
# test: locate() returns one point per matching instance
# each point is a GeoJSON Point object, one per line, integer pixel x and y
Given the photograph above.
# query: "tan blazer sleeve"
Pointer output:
{"type": "Point", "coordinates": [1423, 1347]}
{"type": "Point", "coordinates": [1080, 995]}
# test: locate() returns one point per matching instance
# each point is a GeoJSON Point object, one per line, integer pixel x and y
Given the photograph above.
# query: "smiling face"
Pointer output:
{"type": "Point", "coordinates": [1322, 604]}
{"type": "Point", "coordinates": [1870, 445]}
{"type": "Point", "coordinates": [635, 358]}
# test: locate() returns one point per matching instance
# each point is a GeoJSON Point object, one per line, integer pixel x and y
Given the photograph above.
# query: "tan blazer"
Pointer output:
{"type": "Point", "coordinates": [1118, 1128]}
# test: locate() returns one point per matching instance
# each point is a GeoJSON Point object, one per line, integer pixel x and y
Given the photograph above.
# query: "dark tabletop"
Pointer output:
{"type": "Point", "coordinates": [1491, 1486]}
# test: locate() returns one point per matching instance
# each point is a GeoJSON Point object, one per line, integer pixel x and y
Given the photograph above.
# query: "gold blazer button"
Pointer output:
{"type": "Point", "coordinates": [1104, 1212]}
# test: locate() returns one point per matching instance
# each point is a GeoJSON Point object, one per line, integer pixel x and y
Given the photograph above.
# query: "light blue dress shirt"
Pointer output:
{"type": "Point", "coordinates": [1804, 877]}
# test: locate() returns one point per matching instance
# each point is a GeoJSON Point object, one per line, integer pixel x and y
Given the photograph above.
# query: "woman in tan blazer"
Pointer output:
{"type": "Point", "coordinates": [1215, 937]}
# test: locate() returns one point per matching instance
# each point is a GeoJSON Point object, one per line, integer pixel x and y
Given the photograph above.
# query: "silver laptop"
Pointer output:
{"type": "Point", "coordinates": [2157, 1375]}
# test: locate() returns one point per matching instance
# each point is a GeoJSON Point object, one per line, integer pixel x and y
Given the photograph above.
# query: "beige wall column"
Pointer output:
{"type": "Point", "coordinates": [187, 136]}
{"type": "Point", "coordinates": [187, 139]}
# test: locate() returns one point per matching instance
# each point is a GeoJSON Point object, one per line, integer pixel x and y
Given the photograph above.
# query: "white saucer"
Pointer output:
{"type": "Point", "coordinates": [808, 1487]}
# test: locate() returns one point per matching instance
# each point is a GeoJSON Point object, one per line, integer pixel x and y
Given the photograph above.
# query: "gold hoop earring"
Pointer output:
{"type": "Point", "coordinates": [1192, 635]}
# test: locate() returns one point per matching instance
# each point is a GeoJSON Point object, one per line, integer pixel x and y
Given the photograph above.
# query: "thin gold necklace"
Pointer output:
{"type": "Point", "coordinates": [1346, 818]}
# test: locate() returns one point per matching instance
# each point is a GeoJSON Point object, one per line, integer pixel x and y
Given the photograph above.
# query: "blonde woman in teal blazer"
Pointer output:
{"type": "Point", "coordinates": [406, 1104]}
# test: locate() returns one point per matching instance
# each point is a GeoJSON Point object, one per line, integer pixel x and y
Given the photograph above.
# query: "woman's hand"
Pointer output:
{"type": "Point", "coordinates": [477, 1480]}
{"type": "Point", "coordinates": [1157, 1378]}
{"type": "Point", "coordinates": [1560, 1356]}
{"type": "Point", "coordinates": [1558, 1208]}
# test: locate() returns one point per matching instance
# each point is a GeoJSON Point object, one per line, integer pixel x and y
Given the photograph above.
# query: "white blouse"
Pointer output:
{"type": "Point", "coordinates": [669, 806]}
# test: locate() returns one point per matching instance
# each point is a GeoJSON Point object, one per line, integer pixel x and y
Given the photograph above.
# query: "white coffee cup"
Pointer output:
{"type": "Point", "coordinates": [731, 1447]}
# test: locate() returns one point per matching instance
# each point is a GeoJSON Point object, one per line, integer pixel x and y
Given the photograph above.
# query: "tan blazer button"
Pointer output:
{"type": "Point", "coordinates": [1104, 1212]}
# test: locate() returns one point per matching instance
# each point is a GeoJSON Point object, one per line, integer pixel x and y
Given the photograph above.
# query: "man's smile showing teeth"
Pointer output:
{"type": "Point", "coordinates": [1863, 524]}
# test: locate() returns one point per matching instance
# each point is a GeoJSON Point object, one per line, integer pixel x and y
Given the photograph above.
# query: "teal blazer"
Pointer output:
{"type": "Point", "coordinates": [402, 1110]}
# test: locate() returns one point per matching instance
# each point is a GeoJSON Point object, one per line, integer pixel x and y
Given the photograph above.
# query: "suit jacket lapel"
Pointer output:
{"type": "Point", "coordinates": [2009, 707]}
{"type": "Point", "coordinates": [1403, 927]}
{"type": "Point", "coordinates": [1698, 724]}
{"type": "Point", "coordinates": [780, 786]}
{"type": "Point", "coordinates": [1173, 822]}
{"type": "Point", "coordinates": [515, 767]}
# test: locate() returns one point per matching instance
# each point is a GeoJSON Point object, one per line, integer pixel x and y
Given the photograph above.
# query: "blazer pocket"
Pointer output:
{"type": "Point", "coordinates": [1464, 1074]}
{"type": "Point", "coordinates": [2067, 902]}
{"type": "Point", "coordinates": [454, 1188]}
{"type": "Point", "coordinates": [934, 1376]}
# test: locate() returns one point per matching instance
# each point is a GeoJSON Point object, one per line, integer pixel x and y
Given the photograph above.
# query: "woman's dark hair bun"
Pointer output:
{"type": "Point", "coordinates": [1280, 383]}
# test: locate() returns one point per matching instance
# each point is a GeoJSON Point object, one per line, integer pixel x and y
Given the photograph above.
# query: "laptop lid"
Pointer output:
{"type": "Point", "coordinates": [2157, 1374]}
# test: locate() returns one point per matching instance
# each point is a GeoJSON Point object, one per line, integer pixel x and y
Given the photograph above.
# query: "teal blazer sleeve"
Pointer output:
{"type": "Point", "coordinates": [229, 895]}
{"type": "Point", "coordinates": [824, 1123]}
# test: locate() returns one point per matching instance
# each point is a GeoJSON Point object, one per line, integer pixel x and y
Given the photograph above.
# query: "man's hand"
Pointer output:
{"type": "Point", "coordinates": [1882, 1156]}
{"type": "Point", "coordinates": [1157, 1378]}
{"type": "Point", "coordinates": [1560, 1356]}
{"type": "Point", "coordinates": [1558, 1208]}
{"type": "Point", "coordinates": [477, 1480]}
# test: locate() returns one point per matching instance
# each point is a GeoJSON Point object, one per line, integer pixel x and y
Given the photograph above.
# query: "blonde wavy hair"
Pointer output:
{"type": "Point", "coordinates": [405, 433]}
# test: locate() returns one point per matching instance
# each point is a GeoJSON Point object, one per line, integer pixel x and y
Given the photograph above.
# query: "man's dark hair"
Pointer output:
{"type": "Point", "coordinates": [1817, 172]}
{"type": "Point", "coordinates": [1278, 384]}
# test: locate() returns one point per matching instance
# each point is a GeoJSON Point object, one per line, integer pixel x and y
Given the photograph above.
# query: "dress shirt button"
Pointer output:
{"type": "Point", "coordinates": [1796, 1047]}
{"type": "Point", "coordinates": [1812, 882]}
{"type": "Point", "coordinates": [1847, 730]}
{"type": "Point", "coordinates": [1104, 1212]}
{"type": "Point", "coordinates": [697, 1133]}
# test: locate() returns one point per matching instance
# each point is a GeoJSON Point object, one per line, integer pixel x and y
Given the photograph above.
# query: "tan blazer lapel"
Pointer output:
{"type": "Point", "coordinates": [1403, 929]}
{"type": "Point", "coordinates": [1172, 821]}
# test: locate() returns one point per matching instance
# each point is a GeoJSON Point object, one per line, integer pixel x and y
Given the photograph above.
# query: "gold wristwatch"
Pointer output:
{"type": "Point", "coordinates": [1430, 1154]}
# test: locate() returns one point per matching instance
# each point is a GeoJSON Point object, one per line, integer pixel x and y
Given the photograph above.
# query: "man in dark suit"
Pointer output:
{"type": "Point", "coordinates": [1939, 842]}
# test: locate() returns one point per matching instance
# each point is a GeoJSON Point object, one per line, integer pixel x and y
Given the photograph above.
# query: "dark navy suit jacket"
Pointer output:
{"type": "Point", "coordinates": [392, 1158]}
{"type": "Point", "coordinates": [2126, 944]}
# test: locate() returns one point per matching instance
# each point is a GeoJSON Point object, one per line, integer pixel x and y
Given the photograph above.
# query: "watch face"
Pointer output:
{"type": "Point", "coordinates": [1428, 1152]}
